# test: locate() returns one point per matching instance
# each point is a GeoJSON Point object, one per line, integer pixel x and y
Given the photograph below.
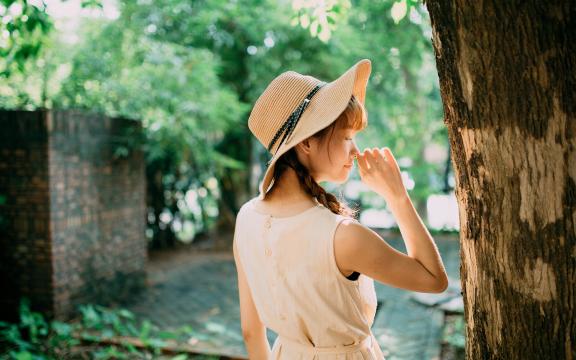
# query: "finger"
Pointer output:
{"type": "Point", "coordinates": [389, 154]}
{"type": "Point", "coordinates": [368, 155]}
{"type": "Point", "coordinates": [378, 155]}
{"type": "Point", "coordinates": [361, 160]}
{"type": "Point", "coordinates": [370, 159]}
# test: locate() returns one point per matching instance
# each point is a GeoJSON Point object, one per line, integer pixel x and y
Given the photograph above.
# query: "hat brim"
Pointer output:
{"type": "Point", "coordinates": [328, 103]}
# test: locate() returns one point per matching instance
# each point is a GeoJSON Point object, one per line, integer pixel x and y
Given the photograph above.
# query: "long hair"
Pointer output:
{"type": "Point", "coordinates": [353, 117]}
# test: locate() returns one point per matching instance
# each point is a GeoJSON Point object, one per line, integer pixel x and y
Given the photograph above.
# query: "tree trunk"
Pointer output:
{"type": "Point", "coordinates": [507, 76]}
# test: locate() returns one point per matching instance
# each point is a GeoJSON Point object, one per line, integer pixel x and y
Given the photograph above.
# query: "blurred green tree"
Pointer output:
{"type": "Point", "coordinates": [185, 109]}
{"type": "Point", "coordinates": [23, 27]}
{"type": "Point", "coordinates": [403, 101]}
{"type": "Point", "coordinates": [192, 70]}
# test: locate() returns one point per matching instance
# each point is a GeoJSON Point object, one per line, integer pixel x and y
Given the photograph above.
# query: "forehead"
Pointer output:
{"type": "Point", "coordinates": [347, 130]}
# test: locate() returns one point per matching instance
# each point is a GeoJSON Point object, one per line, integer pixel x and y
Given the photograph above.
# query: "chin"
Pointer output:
{"type": "Point", "coordinates": [341, 179]}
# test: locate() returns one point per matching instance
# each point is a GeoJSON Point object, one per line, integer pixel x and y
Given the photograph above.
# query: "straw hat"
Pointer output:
{"type": "Point", "coordinates": [295, 106]}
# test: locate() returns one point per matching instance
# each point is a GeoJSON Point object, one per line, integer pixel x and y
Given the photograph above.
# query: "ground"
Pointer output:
{"type": "Point", "coordinates": [199, 288]}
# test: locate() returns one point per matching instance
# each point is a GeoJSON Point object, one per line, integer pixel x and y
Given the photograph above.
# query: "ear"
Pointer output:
{"type": "Point", "coordinates": [305, 146]}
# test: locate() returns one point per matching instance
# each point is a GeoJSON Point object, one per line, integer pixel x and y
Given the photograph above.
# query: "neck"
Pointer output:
{"type": "Point", "coordinates": [288, 189]}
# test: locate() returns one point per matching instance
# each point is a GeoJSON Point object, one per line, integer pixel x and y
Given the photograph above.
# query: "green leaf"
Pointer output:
{"type": "Point", "coordinates": [92, 4]}
{"type": "Point", "coordinates": [399, 10]}
{"type": "Point", "coordinates": [107, 333]}
{"type": "Point", "coordinates": [167, 335]}
{"type": "Point", "coordinates": [90, 337]}
{"type": "Point", "coordinates": [330, 19]}
{"type": "Point", "coordinates": [4, 324]}
{"type": "Point", "coordinates": [156, 343]}
{"type": "Point", "coordinates": [90, 317]}
{"type": "Point", "coordinates": [145, 330]}
{"type": "Point", "coordinates": [131, 348]}
{"type": "Point", "coordinates": [227, 162]}
{"type": "Point", "coordinates": [180, 357]}
{"type": "Point", "coordinates": [7, 3]}
{"type": "Point", "coordinates": [126, 314]}
{"type": "Point", "coordinates": [185, 329]}
{"type": "Point", "coordinates": [23, 355]}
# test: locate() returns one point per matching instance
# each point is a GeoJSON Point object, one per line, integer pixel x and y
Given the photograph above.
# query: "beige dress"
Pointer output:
{"type": "Point", "coordinates": [298, 290]}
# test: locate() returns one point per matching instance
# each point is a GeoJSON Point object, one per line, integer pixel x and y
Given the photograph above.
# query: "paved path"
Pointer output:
{"type": "Point", "coordinates": [199, 289]}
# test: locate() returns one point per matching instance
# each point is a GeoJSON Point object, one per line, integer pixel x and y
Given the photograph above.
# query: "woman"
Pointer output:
{"type": "Point", "coordinates": [305, 265]}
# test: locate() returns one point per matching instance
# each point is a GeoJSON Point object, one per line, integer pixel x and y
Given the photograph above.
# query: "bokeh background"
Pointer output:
{"type": "Point", "coordinates": [189, 72]}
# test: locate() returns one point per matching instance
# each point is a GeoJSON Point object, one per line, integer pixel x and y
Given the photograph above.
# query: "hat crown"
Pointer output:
{"type": "Point", "coordinates": [280, 98]}
{"type": "Point", "coordinates": [295, 106]}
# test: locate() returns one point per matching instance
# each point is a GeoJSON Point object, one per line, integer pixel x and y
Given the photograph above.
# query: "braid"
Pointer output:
{"type": "Point", "coordinates": [353, 117]}
{"type": "Point", "coordinates": [310, 185]}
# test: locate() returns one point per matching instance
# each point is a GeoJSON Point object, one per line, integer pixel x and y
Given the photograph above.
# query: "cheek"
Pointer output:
{"type": "Point", "coordinates": [320, 162]}
{"type": "Point", "coordinates": [345, 151]}
{"type": "Point", "coordinates": [339, 156]}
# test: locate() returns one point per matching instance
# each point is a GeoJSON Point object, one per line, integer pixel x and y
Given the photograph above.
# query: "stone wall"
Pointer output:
{"type": "Point", "coordinates": [74, 217]}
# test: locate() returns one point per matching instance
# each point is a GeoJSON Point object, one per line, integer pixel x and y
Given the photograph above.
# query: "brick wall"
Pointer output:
{"type": "Point", "coordinates": [74, 219]}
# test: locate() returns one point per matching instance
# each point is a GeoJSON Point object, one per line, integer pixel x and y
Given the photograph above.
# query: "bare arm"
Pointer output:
{"type": "Point", "coordinates": [253, 330]}
{"type": "Point", "coordinates": [361, 249]}
{"type": "Point", "coordinates": [358, 248]}
{"type": "Point", "coordinates": [419, 243]}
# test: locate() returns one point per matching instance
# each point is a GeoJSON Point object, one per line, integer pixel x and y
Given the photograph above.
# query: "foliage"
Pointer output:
{"type": "Point", "coordinates": [100, 323]}
{"type": "Point", "coordinates": [320, 16]}
{"type": "Point", "coordinates": [184, 107]}
{"type": "Point", "coordinates": [401, 8]}
{"type": "Point", "coordinates": [33, 337]}
{"type": "Point", "coordinates": [403, 98]}
{"type": "Point", "coordinates": [454, 331]}
{"type": "Point", "coordinates": [23, 26]}
{"type": "Point", "coordinates": [192, 71]}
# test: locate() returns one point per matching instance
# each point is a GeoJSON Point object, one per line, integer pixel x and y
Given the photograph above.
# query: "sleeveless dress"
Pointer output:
{"type": "Point", "coordinates": [298, 290]}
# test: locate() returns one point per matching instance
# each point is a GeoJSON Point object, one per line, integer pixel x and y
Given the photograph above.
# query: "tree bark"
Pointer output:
{"type": "Point", "coordinates": [507, 77]}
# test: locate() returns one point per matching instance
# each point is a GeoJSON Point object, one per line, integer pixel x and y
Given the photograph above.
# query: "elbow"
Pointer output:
{"type": "Point", "coordinates": [441, 288]}
{"type": "Point", "coordinates": [247, 335]}
{"type": "Point", "coordinates": [440, 285]}
{"type": "Point", "coordinates": [250, 333]}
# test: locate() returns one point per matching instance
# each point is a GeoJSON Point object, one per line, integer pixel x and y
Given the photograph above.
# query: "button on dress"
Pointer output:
{"type": "Point", "coordinates": [298, 290]}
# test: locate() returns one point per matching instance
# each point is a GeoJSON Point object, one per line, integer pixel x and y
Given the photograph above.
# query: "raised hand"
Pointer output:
{"type": "Point", "coordinates": [380, 172]}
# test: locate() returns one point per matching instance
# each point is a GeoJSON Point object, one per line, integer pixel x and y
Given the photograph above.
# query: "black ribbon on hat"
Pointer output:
{"type": "Point", "coordinates": [290, 124]}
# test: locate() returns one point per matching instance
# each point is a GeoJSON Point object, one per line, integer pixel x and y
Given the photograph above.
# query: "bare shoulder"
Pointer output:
{"type": "Point", "coordinates": [347, 229]}
{"type": "Point", "coordinates": [350, 234]}
{"type": "Point", "coordinates": [359, 248]}
{"type": "Point", "coordinates": [352, 242]}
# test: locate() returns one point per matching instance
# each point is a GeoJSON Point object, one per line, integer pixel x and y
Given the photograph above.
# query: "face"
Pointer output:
{"type": "Point", "coordinates": [330, 159]}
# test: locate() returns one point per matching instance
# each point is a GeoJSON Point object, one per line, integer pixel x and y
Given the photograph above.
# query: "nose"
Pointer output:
{"type": "Point", "coordinates": [355, 151]}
